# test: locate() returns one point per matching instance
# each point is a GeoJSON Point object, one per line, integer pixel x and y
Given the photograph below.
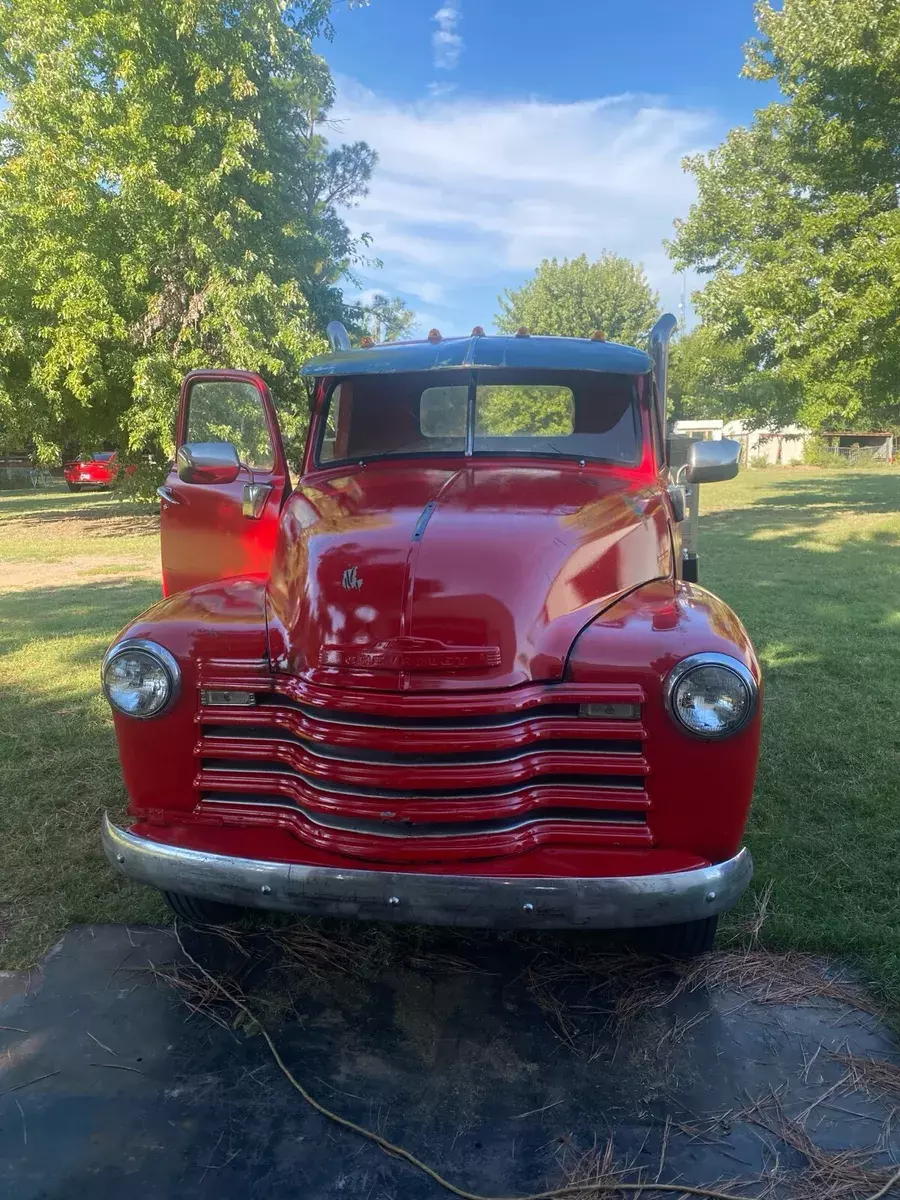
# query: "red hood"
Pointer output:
{"type": "Point", "coordinates": [409, 576]}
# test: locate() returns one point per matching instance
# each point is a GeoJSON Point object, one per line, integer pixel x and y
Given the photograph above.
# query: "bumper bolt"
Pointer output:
{"type": "Point", "coordinates": [265, 889]}
{"type": "Point", "coordinates": [393, 900]}
{"type": "Point", "coordinates": [120, 858]}
{"type": "Point", "coordinates": [528, 907]}
{"type": "Point", "coordinates": [710, 896]}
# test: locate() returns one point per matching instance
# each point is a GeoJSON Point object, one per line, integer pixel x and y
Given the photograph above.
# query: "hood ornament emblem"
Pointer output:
{"type": "Point", "coordinates": [351, 580]}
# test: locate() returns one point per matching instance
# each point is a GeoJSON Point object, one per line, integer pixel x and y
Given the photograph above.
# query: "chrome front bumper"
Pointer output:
{"type": "Point", "coordinates": [474, 901]}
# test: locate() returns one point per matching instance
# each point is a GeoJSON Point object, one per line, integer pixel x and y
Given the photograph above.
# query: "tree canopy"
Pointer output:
{"type": "Point", "coordinates": [387, 319]}
{"type": "Point", "coordinates": [797, 219]}
{"type": "Point", "coordinates": [575, 297]}
{"type": "Point", "coordinates": [715, 376]}
{"type": "Point", "coordinates": [167, 201]}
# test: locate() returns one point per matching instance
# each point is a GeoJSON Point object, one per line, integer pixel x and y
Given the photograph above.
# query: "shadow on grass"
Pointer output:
{"type": "Point", "coordinates": [809, 503]}
{"type": "Point", "coordinates": [858, 492]}
{"type": "Point", "coordinates": [36, 507]}
{"type": "Point", "coordinates": [90, 609]}
{"type": "Point", "coordinates": [104, 522]}
{"type": "Point", "coordinates": [18, 502]}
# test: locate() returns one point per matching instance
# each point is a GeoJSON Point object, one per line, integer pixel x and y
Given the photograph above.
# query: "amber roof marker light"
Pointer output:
{"type": "Point", "coordinates": [522, 331]}
{"type": "Point", "coordinates": [478, 331]}
{"type": "Point", "coordinates": [434, 336]}
{"type": "Point", "coordinates": [367, 342]}
{"type": "Point", "coordinates": [598, 336]}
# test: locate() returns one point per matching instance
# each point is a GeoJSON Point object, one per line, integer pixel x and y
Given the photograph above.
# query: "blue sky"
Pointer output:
{"type": "Point", "coordinates": [513, 130]}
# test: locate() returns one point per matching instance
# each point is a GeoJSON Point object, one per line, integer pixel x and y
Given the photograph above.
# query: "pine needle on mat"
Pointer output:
{"type": "Point", "coordinates": [567, 1192]}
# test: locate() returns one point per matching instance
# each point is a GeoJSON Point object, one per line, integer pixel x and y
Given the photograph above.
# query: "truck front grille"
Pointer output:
{"type": "Point", "coordinates": [462, 775]}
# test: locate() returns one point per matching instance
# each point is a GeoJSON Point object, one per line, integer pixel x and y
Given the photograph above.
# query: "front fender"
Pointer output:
{"type": "Point", "coordinates": [700, 791]}
{"type": "Point", "coordinates": [215, 623]}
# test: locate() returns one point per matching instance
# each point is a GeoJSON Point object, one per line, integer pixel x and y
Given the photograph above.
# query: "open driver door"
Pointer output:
{"type": "Point", "coordinates": [223, 496]}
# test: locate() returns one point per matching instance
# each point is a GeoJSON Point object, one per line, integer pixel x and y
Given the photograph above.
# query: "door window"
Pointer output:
{"type": "Point", "coordinates": [224, 410]}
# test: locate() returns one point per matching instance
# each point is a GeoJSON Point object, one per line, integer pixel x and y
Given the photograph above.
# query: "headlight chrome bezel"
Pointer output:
{"type": "Point", "coordinates": [165, 659]}
{"type": "Point", "coordinates": [710, 659]}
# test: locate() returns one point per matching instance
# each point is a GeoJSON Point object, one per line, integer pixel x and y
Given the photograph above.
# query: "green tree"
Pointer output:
{"type": "Point", "coordinates": [541, 410]}
{"type": "Point", "coordinates": [797, 219]}
{"type": "Point", "coordinates": [167, 201]}
{"type": "Point", "coordinates": [715, 376]}
{"type": "Point", "coordinates": [387, 319]}
{"type": "Point", "coordinates": [575, 297]}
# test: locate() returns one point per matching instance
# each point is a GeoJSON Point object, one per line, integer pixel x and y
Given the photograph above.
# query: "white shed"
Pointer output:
{"type": "Point", "coordinates": [710, 431]}
{"type": "Point", "coordinates": [778, 447]}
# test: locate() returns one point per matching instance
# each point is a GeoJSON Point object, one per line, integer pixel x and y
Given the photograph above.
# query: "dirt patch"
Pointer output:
{"type": "Point", "coordinates": [96, 568]}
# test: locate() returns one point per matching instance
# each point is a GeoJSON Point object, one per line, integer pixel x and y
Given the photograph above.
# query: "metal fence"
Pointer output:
{"type": "Point", "coordinates": [18, 472]}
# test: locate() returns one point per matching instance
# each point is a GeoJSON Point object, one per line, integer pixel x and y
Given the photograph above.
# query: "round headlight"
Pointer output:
{"type": "Point", "coordinates": [711, 695]}
{"type": "Point", "coordinates": [140, 679]}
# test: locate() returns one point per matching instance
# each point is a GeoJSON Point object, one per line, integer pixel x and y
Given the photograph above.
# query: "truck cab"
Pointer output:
{"type": "Point", "coordinates": [455, 673]}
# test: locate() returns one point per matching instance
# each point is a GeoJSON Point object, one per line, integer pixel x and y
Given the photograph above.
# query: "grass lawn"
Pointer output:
{"type": "Point", "coordinates": [809, 559]}
{"type": "Point", "coordinates": [75, 569]}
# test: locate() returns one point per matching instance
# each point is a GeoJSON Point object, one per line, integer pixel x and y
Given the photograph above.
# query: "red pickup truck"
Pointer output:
{"type": "Point", "coordinates": [454, 673]}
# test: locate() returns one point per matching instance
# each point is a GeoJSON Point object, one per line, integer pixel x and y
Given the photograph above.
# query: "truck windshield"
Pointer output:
{"type": "Point", "coordinates": [578, 414]}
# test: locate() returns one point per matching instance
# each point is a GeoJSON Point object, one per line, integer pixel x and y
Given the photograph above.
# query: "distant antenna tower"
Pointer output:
{"type": "Point", "coordinates": [682, 305]}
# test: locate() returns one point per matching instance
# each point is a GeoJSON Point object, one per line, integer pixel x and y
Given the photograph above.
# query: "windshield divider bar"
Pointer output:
{"type": "Point", "coordinates": [470, 416]}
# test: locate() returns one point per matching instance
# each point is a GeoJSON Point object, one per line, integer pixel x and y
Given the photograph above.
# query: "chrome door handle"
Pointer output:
{"type": "Point", "coordinates": [255, 497]}
{"type": "Point", "coordinates": [168, 495]}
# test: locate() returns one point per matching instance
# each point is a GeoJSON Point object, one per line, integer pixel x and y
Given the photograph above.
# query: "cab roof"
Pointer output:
{"type": "Point", "coordinates": [472, 353]}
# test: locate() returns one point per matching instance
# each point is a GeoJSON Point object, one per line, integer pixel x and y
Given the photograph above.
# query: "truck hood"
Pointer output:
{"type": "Point", "coordinates": [404, 576]}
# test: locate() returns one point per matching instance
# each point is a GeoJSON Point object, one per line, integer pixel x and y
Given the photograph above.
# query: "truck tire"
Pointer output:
{"type": "Point", "coordinates": [202, 912]}
{"type": "Point", "coordinates": [687, 939]}
{"type": "Point", "coordinates": [74, 487]}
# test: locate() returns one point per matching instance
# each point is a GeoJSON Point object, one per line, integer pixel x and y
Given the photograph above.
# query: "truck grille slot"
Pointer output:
{"type": "Point", "coordinates": [246, 766]}
{"type": "Point", "coordinates": [438, 829]}
{"type": "Point", "coordinates": [458, 721]}
{"type": "Point", "coordinates": [447, 758]}
{"type": "Point", "coordinates": [465, 774]}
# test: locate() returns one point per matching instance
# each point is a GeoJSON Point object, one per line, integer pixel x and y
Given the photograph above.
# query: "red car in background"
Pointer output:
{"type": "Point", "coordinates": [92, 470]}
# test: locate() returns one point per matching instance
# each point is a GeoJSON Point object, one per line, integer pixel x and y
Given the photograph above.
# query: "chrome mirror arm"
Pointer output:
{"type": "Point", "coordinates": [660, 336]}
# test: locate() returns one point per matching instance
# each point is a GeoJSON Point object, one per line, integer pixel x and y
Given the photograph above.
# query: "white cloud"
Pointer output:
{"type": "Point", "coordinates": [422, 289]}
{"type": "Point", "coordinates": [473, 193]}
{"type": "Point", "coordinates": [446, 41]}
{"type": "Point", "coordinates": [364, 299]}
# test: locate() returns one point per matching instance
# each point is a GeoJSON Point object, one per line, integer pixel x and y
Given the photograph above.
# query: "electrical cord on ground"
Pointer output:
{"type": "Point", "coordinates": [395, 1151]}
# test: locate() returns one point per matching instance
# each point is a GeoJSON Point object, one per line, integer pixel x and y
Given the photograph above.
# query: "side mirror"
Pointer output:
{"type": "Point", "coordinates": [207, 462]}
{"type": "Point", "coordinates": [710, 462]}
